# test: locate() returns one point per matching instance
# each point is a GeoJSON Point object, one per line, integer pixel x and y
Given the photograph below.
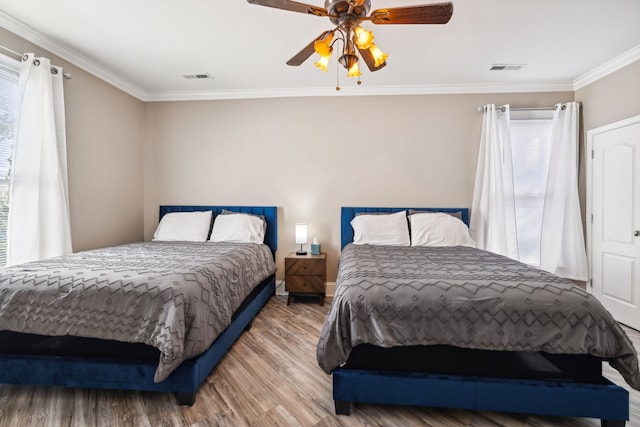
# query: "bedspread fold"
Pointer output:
{"type": "Point", "coordinates": [465, 297]}
{"type": "Point", "coordinates": [175, 296]}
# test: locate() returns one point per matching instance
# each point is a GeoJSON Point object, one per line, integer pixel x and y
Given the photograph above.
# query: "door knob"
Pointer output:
{"type": "Point", "coordinates": [637, 233]}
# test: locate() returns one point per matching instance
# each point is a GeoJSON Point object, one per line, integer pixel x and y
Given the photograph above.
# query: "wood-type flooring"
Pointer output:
{"type": "Point", "coordinates": [269, 378]}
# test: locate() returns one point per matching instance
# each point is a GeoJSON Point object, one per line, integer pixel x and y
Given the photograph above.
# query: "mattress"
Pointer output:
{"type": "Point", "coordinates": [174, 296]}
{"type": "Point", "coordinates": [390, 296]}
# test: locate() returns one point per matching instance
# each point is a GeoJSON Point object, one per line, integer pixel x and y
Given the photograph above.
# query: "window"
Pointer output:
{"type": "Point", "coordinates": [530, 151]}
{"type": "Point", "coordinates": [8, 104]}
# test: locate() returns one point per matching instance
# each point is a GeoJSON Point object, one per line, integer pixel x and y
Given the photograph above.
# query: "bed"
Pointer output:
{"type": "Point", "coordinates": [388, 339]}
{"type": "Point", "coordinates": [171, 281]}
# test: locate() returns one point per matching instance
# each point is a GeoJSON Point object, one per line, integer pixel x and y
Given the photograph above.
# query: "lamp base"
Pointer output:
{"type": "Point", "coordinates": [301, 252]}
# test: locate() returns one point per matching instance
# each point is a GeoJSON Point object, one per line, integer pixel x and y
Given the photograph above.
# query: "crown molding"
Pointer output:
{"type": "Point", "coordinates": [607, 68]}
{"type": "Point", "coordinates": [32, 35]}
{"type": "Point", "coordinates": [359, 91]}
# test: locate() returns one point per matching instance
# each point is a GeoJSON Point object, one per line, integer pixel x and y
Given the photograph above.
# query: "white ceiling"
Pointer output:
{"type": "Point", "coordinates": [146, 46]}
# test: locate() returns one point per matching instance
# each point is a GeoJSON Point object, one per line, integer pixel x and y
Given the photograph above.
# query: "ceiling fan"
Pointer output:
{"type": "Point", "coordinates": [347, 15]}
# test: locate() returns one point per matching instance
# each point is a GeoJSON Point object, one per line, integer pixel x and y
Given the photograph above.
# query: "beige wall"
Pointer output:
{"type": "Point", "coordinates": [104, 150]}
{"type": "Point", "coordinates": [310, 156]}
{"type": "Point", "coordinates": [610, 99]}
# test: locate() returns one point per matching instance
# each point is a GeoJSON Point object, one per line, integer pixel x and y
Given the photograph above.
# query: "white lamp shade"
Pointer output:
{"type": "Point", "coordinates": [301, 233]}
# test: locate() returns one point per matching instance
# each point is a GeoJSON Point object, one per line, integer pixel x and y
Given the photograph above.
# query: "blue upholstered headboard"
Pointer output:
{"type": "Point", "coordinates": [348, 213]}
{"type": "Point", "coordinates": [270, 214]}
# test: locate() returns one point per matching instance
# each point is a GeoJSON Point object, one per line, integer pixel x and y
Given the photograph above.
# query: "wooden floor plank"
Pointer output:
{"type": "Point", "coordinates": [270, 377]}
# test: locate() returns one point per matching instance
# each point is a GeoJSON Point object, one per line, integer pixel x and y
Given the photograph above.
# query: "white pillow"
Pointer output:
{"type": "Point", "coordinates": [239, 228]}
{"type": "Point", "coordinates": [382, 229]}
{"type": "Point", "coordinates": [439, 229]}
{"type": "Point", "coordinates": [184, 226]}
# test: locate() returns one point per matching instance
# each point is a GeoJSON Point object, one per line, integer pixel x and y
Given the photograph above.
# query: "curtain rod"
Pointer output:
{"type": "Point", "coordinates": [502, 108]}
{"type": "Point", "coordinates": [19, 56]}
{"type": "Point", "coordinates": [12, 52]}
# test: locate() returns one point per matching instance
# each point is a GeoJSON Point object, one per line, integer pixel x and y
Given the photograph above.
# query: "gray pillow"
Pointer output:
{"type": "Point", "coordinates": [229, 212]}
{"type": "Point", "coordinates": [456, 214]}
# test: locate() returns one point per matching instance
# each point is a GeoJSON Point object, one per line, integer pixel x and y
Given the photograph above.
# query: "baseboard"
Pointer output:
{"type": "Point", "coordinates": [330, 289]}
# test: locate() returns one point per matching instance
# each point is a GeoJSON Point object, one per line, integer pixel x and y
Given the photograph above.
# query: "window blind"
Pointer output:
{"type": "Point", "coordinates": [530, 150]}
{"type": "Point", "coordinates": [9, 73]}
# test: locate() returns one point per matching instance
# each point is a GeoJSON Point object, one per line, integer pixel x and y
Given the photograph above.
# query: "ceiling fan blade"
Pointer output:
{"type": "Point", "coordinates": [368, 59]}
{"type": "Point", "coordinates": [293, 6]}
{"type": "Point", "coordinates": [304, 54]}
{"type": "Point", "coordinates": [437, 13]}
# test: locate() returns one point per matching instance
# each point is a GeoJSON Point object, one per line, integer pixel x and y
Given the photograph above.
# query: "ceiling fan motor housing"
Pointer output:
{"type": "Point", "coordinates": [347, 10]}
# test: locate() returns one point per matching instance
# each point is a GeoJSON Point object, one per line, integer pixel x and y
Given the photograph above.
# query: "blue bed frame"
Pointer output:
{"type": "Point", "coordinates": [126, 374]}
{"type": "Point", "coordinates": [606, 401]}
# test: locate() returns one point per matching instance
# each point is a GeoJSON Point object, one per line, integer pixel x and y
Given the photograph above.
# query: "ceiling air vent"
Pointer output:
{"type": "Point", "coordinates": [198, 76]}
{"type": "Point", "coordinates": [506, 67]}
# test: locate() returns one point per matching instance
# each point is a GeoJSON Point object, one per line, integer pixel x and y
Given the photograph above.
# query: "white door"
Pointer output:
{"type": "Point", "coordinates": [614, 199]}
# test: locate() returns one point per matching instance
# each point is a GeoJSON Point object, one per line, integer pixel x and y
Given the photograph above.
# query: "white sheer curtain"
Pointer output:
{"type": "Point", "coordinates": [39, 223]}
{"type": "Point", "coordinates": [562, 248]}
{"type": "Point", "coordinates": [493, 215]}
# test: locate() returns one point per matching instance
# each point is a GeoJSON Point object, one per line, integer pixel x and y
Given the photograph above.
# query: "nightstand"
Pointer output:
{"type": "Point", "coordinates": [305, 275]}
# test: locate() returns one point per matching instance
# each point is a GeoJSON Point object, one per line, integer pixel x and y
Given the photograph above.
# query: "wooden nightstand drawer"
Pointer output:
{"type": "Point", "coordinates": [305, 266]}
{"type": "Point", "coordinates": [305, 275]}
{"type": "Point", "coordinates": [305, 284]}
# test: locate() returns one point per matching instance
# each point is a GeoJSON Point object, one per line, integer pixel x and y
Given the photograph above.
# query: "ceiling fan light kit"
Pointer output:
{"type": "Point", "coordinates": [322, 45]}
{"type": "Point", "coordinates": [379, 57]}
{"type": "Point", "coordinates": [322, 63]}
{"type": "Point", "coordinates": [363, 38]}
{"type": "Point", "coordinates": [357, 43]}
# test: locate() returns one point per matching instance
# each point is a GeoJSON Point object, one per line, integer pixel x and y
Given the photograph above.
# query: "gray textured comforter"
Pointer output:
{"type": "Point", "coordinates": [393, 296]}
{"type": "Point", "coordinates": [175, 296]}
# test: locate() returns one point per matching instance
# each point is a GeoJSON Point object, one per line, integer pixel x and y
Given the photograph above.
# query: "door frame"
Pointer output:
{"type": "Point", "coordinates": [589, 187]}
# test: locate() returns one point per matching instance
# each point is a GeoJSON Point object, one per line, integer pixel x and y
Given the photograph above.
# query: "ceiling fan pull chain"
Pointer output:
{"type": "Point", "coordinates": [341, 38]}
{"type": "Point", "coordinates": [337, 77]}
